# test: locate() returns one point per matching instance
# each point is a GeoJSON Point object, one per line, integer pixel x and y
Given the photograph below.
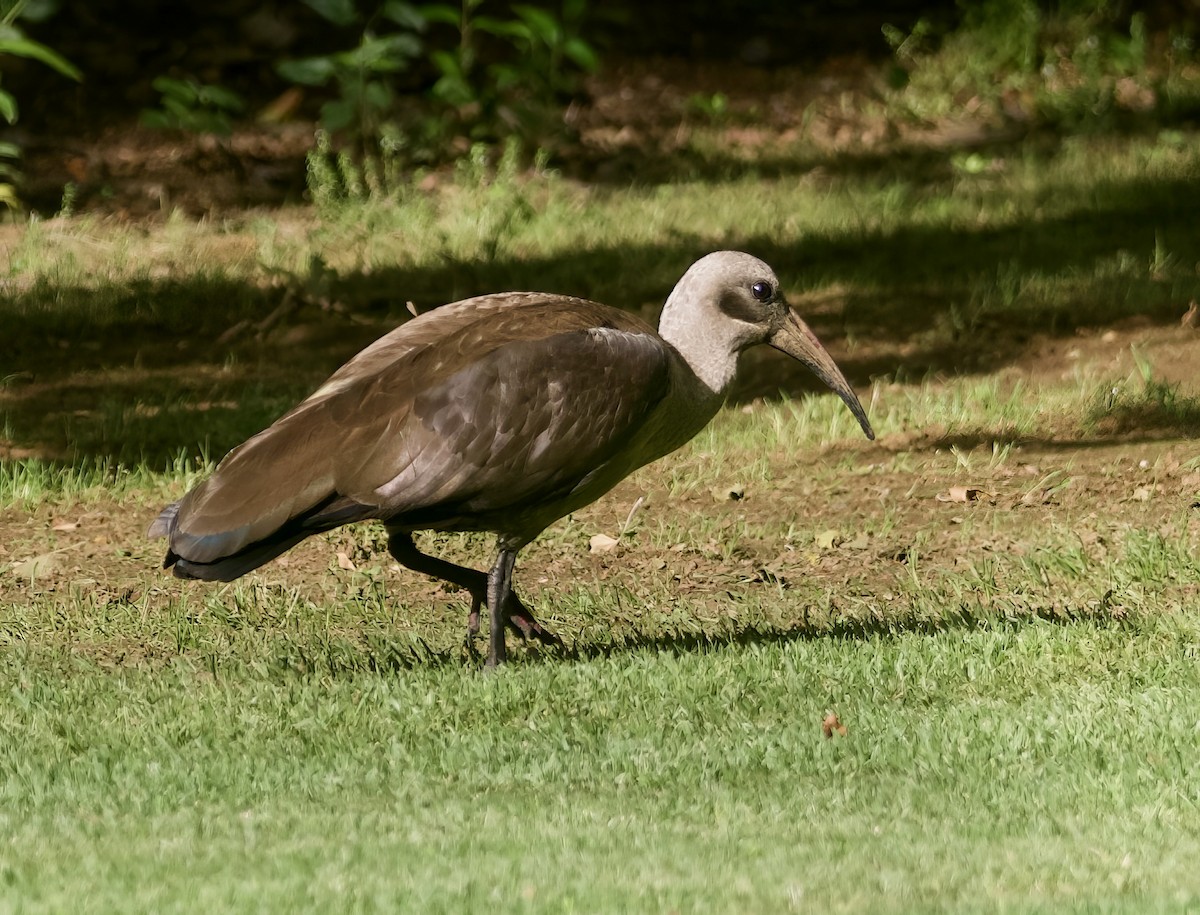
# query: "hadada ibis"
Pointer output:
{"type": "Point", "coordinates": [500, 413]}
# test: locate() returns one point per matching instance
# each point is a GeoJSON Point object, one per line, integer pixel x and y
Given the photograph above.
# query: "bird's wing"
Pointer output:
{"type": "Point", "coordinates": [284, 473]}
{"type": "Point", "coordinates": [428, 329]}
{"type": "Point", "coordinates": [332, 453]}
{"type": "Point", "coordinates": [524, 426]}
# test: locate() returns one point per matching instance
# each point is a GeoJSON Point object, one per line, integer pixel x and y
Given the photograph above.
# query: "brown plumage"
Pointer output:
{"type": "Point", "coordinates": [500, 413]}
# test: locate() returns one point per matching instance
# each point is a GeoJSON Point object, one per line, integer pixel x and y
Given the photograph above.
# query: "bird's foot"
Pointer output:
{"type": "Point", "coordinates": [473, 628]}
{"type": "Point", "coordinates": [522, 621]}
{"type": "Point", "coordinates": [517, 617]}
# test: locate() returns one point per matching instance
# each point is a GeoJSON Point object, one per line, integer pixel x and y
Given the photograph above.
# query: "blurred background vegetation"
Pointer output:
{"type": "Point", "coordinates": [394, 86]}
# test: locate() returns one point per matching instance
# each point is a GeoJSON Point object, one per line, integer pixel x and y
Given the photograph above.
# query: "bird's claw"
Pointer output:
{"type": "Point", "coordinates": [517, 617]}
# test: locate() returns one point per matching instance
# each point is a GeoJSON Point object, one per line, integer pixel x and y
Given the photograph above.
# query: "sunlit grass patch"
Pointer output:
{"type": "Point", "coordinates": [646, 778]}
{"type": "Point", "coordinates": [30, 481]}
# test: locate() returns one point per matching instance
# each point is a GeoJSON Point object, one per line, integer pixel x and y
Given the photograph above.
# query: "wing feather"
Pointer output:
{"type": "Point", "coordinates": [426, 417]}
{"type": "Point", "coordinates": [526, 427]}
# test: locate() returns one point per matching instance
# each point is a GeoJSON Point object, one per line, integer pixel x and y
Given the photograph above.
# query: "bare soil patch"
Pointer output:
{"type": "Point", "coordinates": [948, 505]}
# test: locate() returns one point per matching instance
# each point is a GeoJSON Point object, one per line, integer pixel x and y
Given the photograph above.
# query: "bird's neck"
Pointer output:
{"type": "Point", "coordinates": [709, 348]}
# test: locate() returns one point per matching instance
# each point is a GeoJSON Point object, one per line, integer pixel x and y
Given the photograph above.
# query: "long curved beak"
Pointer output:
{"type": "Point", "coordinates": [794, 338]}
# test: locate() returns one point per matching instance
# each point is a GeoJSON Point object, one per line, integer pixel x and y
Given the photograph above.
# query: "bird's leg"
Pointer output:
{"type": "Point", "coordinates": [473, 618]}
{"type": "Point", "coordinates": [499, 587]}
{"type": "Point", "coordinates": [517, 615]}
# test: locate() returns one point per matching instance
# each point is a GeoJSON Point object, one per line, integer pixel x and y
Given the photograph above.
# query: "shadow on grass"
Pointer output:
{"type": "Point", "coordinates": [385, 657]}
{"type": "Point", "coordinates": [1157, 414]}
{"type": "Point", "coordinates": [839, 629]}
{"type": "Point", "coordinates": [82, 365]}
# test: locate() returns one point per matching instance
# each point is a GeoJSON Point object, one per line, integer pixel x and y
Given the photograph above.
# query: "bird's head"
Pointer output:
{"type": "Point", "coordinates": [728, 301]}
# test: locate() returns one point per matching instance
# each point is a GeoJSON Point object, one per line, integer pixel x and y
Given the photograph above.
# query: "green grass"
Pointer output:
{"type": "Point", "coordinates": [1034, 767]}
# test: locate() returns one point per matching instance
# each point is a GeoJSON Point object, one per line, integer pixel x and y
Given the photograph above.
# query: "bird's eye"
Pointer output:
{"type": "Point", "coordinates": [762, 291]}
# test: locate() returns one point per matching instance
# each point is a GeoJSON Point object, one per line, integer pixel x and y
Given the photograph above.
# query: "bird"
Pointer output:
{"type": "Point", "coordinates": [500, 414]}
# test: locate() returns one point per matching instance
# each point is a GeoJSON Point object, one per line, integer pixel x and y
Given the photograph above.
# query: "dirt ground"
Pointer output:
{"type": "Point", "coordinates": [98, 552]}
{"type": "Point", "coordinates": [926, 484]}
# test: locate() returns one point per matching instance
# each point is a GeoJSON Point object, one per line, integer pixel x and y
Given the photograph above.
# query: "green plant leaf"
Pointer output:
{"type": "Point", "coordinates": [339, 12]}
{"type": "Point", "coordinates": [338, 115]}
{"type": "Point", "coordinates": [39, 10]}
{"type": "Point", "coordinates": [386, 54]}
{"type": "Point", "coordinates": [503, 28]}
{"type": "Point", "coordinates": [442, 12]}
{"type": "Point", "coordinates": [308, 71]}
{"type": "Point", "coordinates": [180, 90]}
{"type": "Point", "coordinates": [447, 64]}
{"type": "Point", "coordinates": [178, 109]}
{"type": "Point", "coordinates": [220, 97]}
{"type": "Point", "coordinates": [35, 50]}
{"type": "Point", "coordinates": [580, 53]}
{"type": "Point", "coordinates": [405, 14]}
{"type": "Point", "coordinates": [8, 107]}
{"type": "Point", "coordinates": [9, 150]}
{"type": "Point", "coordinates": [453, 87]}
{"type": "Point", "coordinates": [543, 24]}
{"type": "Point", "coordinates": [377, 94]}
{"type": "Point", "coordinates": [8, 197]}
{"type": "Point", "coordinates": [506, 76]}
{"type": "Point", "coordinates": [156, 120]}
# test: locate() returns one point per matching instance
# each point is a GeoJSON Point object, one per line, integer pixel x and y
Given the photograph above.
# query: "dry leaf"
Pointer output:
{"type": "Point", "coordinates": [832, 725]}
{"type": "Point", "coordinates": [963, 494]}
{"type": "Point", "coordinates": [37, 567]}
{"type": "Point", "coordinates": [66, 526]}
{"type": "Point", "coordinates": [282, 108]}
{"type": "Point", "coordinates": [345, 562]}
{"type": "Point", "coordinates": [602, 543]}
{"type": "Point", "coordinates": [827, 540]}
{"type": "Point", "coordinates": [1142, 494]}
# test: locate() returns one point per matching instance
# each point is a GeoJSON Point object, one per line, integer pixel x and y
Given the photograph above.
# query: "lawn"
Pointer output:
{"type": "Point", "coordinates": [953, 669]}
{"type": "Point", "coordinates": [1032, 765]}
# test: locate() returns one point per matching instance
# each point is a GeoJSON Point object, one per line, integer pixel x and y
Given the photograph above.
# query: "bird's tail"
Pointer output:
{"type": "Point", "coordinates": [332, 513]}
{"type": "Point", "coordinates": [230, 567]}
